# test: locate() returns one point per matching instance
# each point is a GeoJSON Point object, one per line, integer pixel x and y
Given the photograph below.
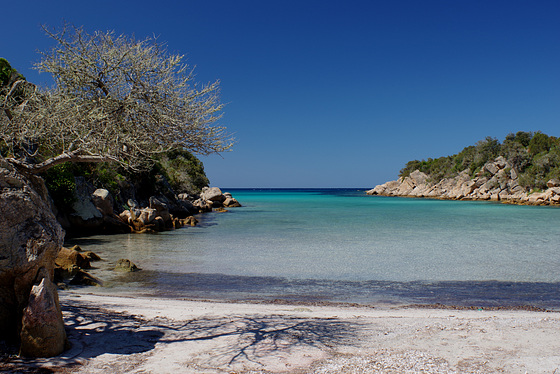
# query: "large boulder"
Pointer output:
{"type": "Point", "coordinates": [86, 217]}
{"type": "Point", "coordinates": [212, 194]}
{"type": "Point", "coordinates": [42, 333]}
{"type": "Point", "coordinates": [30, 238]}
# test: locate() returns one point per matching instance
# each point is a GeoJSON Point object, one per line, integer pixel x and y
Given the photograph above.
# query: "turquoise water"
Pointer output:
{"type": "Point", "coordinates": [342, 245]}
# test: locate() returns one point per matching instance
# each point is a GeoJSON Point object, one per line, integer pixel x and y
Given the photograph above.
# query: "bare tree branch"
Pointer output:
{"type": "Point", "coordinates": [115, 98]}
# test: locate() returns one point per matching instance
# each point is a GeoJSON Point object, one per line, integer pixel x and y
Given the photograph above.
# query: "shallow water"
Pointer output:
{"type": "Point", "coordinates": [345, 246]}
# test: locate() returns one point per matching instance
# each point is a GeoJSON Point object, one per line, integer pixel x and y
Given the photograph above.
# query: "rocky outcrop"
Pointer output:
{"type": "Point", "coordinates": [42, 333]}
{"type": "Point", "coordinates": [496, 181]}
{"type": "Point", "coordinates": [95, 212]}
{"type": "Point", "coordinates": [70, 266]}
{"type": "Point", "coordinates": [30, 238]}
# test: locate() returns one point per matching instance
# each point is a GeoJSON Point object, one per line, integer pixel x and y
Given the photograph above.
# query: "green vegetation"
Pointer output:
{"type": "Point", "coordinates": [183, 170]}
{"type": "Point", "coordinates": [534, 156]}
{"type": "Point", "coordinates": [61, 184]}
{"type": "Point", "coordinates": [8, 75]}
{"type": "Point", "coordinates": [180, 170]}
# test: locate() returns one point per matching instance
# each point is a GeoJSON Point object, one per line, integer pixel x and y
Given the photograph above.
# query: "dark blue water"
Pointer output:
{"type": "Point", "coordinates": [345, 246]}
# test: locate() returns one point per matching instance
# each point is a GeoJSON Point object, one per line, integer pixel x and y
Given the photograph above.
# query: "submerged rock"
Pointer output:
{"type": "Point", "coordinates": [126, 265]}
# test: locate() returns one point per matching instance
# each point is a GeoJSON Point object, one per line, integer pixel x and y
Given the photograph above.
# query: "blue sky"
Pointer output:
{"type": "Point", "coordinates": [333, 93]}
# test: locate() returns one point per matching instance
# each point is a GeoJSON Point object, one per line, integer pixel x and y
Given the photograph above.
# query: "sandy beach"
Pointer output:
{"type": "Point", "coordinates": [122, 334]}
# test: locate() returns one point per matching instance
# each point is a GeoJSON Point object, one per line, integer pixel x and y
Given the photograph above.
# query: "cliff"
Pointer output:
{"type": "Point", "coordinates": [497, 180]}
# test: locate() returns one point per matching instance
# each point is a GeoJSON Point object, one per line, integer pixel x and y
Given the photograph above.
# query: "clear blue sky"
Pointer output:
{"type": "Point", "coordinates": [337, 93]}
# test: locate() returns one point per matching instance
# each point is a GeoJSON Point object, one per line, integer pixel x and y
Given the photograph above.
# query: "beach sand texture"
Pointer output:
{"type": "Point", "coordinates": [121, 334]}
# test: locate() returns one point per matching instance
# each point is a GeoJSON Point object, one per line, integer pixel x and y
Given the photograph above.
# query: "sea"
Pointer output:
{"type": "Point", "coordinates": [343, 246]}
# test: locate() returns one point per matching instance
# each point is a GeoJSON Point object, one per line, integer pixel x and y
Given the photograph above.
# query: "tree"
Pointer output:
{"type": "Point", "coordinates": [539, 143]}
{"type": "Point", "coordinates": [114, 99]}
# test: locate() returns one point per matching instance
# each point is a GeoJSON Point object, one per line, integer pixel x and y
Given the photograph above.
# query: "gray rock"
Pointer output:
{"type": "Point", "coordinates": [42, 333]}
{"type": "Point", "coordinates": [161, 208]}
{"type": "Point", "coordinates": [212, 194]}
{"type": "Point", "coordinates": [103, 201]}
{"type": "Point", "coordinates": [491, 167]}
{"type": "Point", "coordinates": [30, 238]}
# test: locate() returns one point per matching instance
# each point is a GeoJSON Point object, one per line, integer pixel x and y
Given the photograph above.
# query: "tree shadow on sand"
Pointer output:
{"type": "Point", "coordinates": [259, 339]}
{"type": "Point", "coordinates": [252, 340]}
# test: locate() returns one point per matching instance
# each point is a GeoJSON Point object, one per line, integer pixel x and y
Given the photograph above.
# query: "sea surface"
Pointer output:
{"type": "Point", "coordinates": [341, 245]}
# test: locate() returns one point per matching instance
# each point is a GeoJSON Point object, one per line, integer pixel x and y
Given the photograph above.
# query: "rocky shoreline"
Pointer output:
{"type": "Point", "coordinates": [33, 265]}
{"type": "Point", "coordinates": [496, 181]}
{"type": "Point", "coordinates": [95, 211]}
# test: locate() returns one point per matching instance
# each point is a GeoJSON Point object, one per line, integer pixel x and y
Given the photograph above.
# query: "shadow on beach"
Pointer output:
{"type": "Point", "coordinates": [123, 338]}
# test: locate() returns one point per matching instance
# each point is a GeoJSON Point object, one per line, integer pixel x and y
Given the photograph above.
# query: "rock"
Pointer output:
{"type": "Point", "coordinates": [160, 224]}
{"type": "Point", "coordinates": [230, 202]}
{"type": "Point", "coordinates": [126, 266]}
{"type": "Point", "coordinates": [212, 194]}
{"type": "Point", "coordinates": [202, 205]}
{"type": "Point", "coordinates": [86, 216]}
{"type": "Point", "coordinates": [113, 224]}
{"type": "Point", "coordinates": [103, 201]}
{"type": "Point", "coordinates": [513, 174]}
{"type": "Point", "coordinates": [147, 215]}
{"type": "Point", "coordinates": [42, 333]}
{"type": "Point", "coordinates": [60, 273]}
{"type": "Point", "coordinates": [83, 278]}
{"type": "Point", "coordinates": [127, 216]}
{"type": "Point", "coordinates": [216, 204]}
{"type": "Point", "coordinates": [183, 197]}
{"type": "Point", "coordinates": [91, 256]}
{"type": "Point", "coordinates": [132, 204]}
{"type": "Point", "coordinates": [191, 221]}
{"type": "Point", "coordinates": [30, 238]}
{"type": "Point", "coordinates": [68, 257]}
{"type": "Point", "coordinates": [553, 183]}
{"type": "Point", "coordinates": [161, 210]}
{"type": "Point", "coordinates": [491, 167]}
{"type": "Point", "coordinates": [182, 209]}
{"type": "Point", "coordinates": [76, 248]}
{"type": "Point", "coordinates": [418, 177]}
{"type": "Point", "coordinates": [500, 162]}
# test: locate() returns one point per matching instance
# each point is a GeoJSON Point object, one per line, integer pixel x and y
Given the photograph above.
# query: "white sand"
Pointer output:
{"type": "Point", "coordinates": [146, 335]}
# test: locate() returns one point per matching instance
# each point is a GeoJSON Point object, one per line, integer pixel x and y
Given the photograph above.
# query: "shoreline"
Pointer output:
{"type": "Point", "coordinates": [158, 335]}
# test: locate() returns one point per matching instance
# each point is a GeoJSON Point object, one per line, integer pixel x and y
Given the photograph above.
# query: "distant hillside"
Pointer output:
{"type": "Point", "coordinates": [524, 169]}
{"type": "Point", "coordinates": [534, 156]}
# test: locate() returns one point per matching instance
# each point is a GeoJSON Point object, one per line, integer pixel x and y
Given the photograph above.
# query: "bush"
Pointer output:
{"type": "Point", "coordinates": [184, 171]}
{"type": "Point", "coordinates": [61, 185]}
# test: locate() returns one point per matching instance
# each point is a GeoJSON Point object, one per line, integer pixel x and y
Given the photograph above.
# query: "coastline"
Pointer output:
{"type": "Point", "coordinates": [497, 181]}
{"type": "Point", "coordinates": [157, 335]}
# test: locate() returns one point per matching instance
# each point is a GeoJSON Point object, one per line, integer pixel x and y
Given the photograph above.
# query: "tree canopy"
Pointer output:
{"type": "Point", "coordinates": [115, 99]}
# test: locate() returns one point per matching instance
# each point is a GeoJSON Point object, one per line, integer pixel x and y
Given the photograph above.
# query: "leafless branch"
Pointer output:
{"type": "Point", "coordinates": [115, 98]}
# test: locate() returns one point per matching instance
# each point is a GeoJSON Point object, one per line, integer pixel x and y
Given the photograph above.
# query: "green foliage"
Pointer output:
{"type": "Point", "coordinates": [61, 185]}
{"type": "Point", "coordinates": [534, 156]}
{"type": "Point", "coordinates": [8, 75]}
{"type": "Point", "coordinates": [184, 171]}
{"type": "Point", "coordinates": [539, 143]}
